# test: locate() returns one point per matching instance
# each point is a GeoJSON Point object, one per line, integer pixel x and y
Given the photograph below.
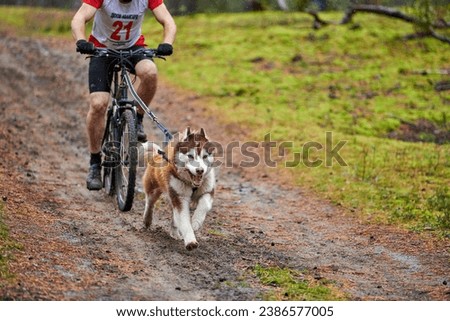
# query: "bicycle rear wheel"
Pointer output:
{"type": "Point", "coordinates": [126, 170]}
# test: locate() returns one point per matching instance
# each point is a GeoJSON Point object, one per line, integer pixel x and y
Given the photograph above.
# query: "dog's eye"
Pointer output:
{"type": "Point", "coordinates": [191, 157]}
{"type": "Point", "coordinates": [205, 156]}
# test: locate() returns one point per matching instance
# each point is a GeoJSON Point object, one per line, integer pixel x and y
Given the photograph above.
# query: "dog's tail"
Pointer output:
{"type": "Point", "coordinates": [150, 150]}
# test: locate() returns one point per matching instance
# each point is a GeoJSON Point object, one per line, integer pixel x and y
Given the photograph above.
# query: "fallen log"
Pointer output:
{"type": "Point", "coordinates": [427, 31]}
{"type": "Point", "coordinates": [381, 10]}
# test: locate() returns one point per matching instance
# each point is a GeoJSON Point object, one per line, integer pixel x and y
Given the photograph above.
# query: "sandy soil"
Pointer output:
{"type": "Point", "coordinates": [77, 246]}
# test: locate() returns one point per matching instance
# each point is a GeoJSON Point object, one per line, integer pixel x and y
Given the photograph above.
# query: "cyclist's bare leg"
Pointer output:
{"type": "Point", "coordinates": [146, 83]}
{"type": "Point", "coordinates": [95, 120]}
{"type": "Point", "coordinates": [95, 125]}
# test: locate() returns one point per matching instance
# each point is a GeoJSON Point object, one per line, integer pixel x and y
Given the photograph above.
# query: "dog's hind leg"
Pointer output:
{"type": "Point", "coordinates": [203, 207]}
{"type": "Point", "coordinates": [150, 200]}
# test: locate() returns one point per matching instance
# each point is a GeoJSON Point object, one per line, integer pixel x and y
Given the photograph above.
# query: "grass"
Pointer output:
{"type": "Point", "coordinates": [7, 246]}
{"type": "Point", "coordinates": [292, 285]}
{"type": "Point", "coordinates": [3, 242]}
{"type": "Point", "coordinates": [25, 21]}
{"type": "Point", "coordinates": [270, 72]}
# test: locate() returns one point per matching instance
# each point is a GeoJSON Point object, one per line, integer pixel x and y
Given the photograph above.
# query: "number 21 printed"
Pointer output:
{"type": "Point", "coordinates": [119, 27]}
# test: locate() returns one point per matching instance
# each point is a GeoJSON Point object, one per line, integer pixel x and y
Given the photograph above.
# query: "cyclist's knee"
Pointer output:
{"type": "Point", "coordinates": [146, 70]}
{"type": "Point", "coordinates": [98, 102]}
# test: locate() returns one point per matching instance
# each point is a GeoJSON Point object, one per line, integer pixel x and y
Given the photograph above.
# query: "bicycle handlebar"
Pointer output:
{"type": "Point", "coordinates": [125, 53]}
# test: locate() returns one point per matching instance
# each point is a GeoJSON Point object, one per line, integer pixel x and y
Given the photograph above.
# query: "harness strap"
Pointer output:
{"type": "Point", "coordinates": [163, 155]}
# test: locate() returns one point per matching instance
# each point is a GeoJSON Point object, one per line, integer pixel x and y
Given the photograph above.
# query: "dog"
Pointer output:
{"type": "Point", "coordinates": [185, 173]}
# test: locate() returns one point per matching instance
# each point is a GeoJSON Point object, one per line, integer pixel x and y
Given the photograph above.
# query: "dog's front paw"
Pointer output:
{"type": "Point", "coordinates": [175, 233]}
{"type": "Point", "coordinates": [192, 246]}
{"type": "Point", "coordinates": [147, 222]}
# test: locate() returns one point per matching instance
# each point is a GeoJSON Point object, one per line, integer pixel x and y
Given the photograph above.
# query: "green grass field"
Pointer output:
{"type": "Point", "coordinates": [7, 247]}
{"type": "Point", "coordinates": [3, 237]}
{"type": "Point", "coordinates": [272, 73]}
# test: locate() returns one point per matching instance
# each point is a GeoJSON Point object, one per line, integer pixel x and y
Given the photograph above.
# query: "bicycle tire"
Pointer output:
{"type": "Point", "coordinates": [126, 170]}
{"type": "Point", "coordinates": [110, 148]}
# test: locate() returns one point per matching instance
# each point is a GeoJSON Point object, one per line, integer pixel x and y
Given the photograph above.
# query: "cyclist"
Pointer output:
{"type": "Point", "coordinates": [117, 25]}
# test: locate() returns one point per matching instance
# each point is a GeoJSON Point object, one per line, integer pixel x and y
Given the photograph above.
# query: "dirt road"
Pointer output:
{"type": "Point", "coordinates": [77, 246]}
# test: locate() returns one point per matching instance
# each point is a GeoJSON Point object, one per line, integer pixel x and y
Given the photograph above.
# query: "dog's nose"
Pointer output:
{"type": "Point", "coordinates": [199, 171]}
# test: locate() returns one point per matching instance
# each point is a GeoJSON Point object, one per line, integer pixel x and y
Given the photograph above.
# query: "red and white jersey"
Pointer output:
{"type": "Point", "coordinates": [118, 25]}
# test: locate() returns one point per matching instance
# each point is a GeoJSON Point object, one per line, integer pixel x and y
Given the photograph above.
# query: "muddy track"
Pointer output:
{"type": "Point", "coordinates": [77, 246]}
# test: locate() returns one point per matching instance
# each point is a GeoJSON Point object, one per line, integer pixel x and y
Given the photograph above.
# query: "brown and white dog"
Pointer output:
{"type": "Point", "coordinates": [186, 175]}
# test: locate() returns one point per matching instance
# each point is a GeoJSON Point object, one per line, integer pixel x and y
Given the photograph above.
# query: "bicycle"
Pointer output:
{"type": "Point", "coordinates": [120, 144]}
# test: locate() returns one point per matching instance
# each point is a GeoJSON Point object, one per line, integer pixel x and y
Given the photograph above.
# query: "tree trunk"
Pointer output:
{"type": "Point", "coordinates": [283, 5]}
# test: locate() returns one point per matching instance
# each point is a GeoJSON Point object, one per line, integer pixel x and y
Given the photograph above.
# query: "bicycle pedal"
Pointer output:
{"type": "Point", "coordinates": [109, 150]}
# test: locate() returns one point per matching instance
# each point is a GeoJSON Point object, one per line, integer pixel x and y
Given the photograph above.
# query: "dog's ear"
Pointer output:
{"type": "Point", "coordinates": [203, 133]}
{"type": "Point", "coordinates": [187, 132]}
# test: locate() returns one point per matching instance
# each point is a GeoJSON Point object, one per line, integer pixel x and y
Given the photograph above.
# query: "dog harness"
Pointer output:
{"type": "Point", "coordinates": [163, 155]}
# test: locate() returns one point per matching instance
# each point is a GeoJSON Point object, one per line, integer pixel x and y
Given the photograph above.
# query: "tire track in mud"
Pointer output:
{"type": "Point", "coordinates": [85, 249]}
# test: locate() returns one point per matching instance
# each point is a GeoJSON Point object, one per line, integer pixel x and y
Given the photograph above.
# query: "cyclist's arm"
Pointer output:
{"type": "Point", "coordinates": [79, 20]}
{"type": "Point", "coordinates": [164, 17]}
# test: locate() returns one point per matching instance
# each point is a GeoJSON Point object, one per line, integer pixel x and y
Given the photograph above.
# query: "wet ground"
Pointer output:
{"type": "Point", "coordinates": [77, 246]}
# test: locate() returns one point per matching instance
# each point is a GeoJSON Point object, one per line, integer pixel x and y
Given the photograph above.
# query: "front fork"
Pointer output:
{"type": "Point", "coordinates": [110, 143]}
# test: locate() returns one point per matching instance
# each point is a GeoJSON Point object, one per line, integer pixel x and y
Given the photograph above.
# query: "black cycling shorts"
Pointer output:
{"type": "Point", "coordinates": [101, 71]}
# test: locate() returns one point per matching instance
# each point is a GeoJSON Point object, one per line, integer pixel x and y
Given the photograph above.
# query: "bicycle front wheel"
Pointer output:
{"type": "Point", "coordinates": [110, 150]}
{"type": "Point", "coordinates": [126, 171]}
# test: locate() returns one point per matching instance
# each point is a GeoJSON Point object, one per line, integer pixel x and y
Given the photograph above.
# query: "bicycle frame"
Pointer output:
{"type": "Point", "coordinates": [120, 89]}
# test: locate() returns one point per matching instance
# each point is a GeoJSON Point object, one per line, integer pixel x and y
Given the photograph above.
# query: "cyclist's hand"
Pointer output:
{"type": "Point", "coordinates": [85, 47]}
{"type": "Point", "coordinates": [164, 49]}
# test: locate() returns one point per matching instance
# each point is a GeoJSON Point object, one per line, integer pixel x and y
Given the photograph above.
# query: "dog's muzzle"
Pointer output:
{"type": "Point", "coordinates": [197, 180]}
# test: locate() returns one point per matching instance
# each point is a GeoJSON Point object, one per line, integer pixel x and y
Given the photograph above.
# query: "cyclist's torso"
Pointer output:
{"type": "Point", "coordinates": [118, 25]}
